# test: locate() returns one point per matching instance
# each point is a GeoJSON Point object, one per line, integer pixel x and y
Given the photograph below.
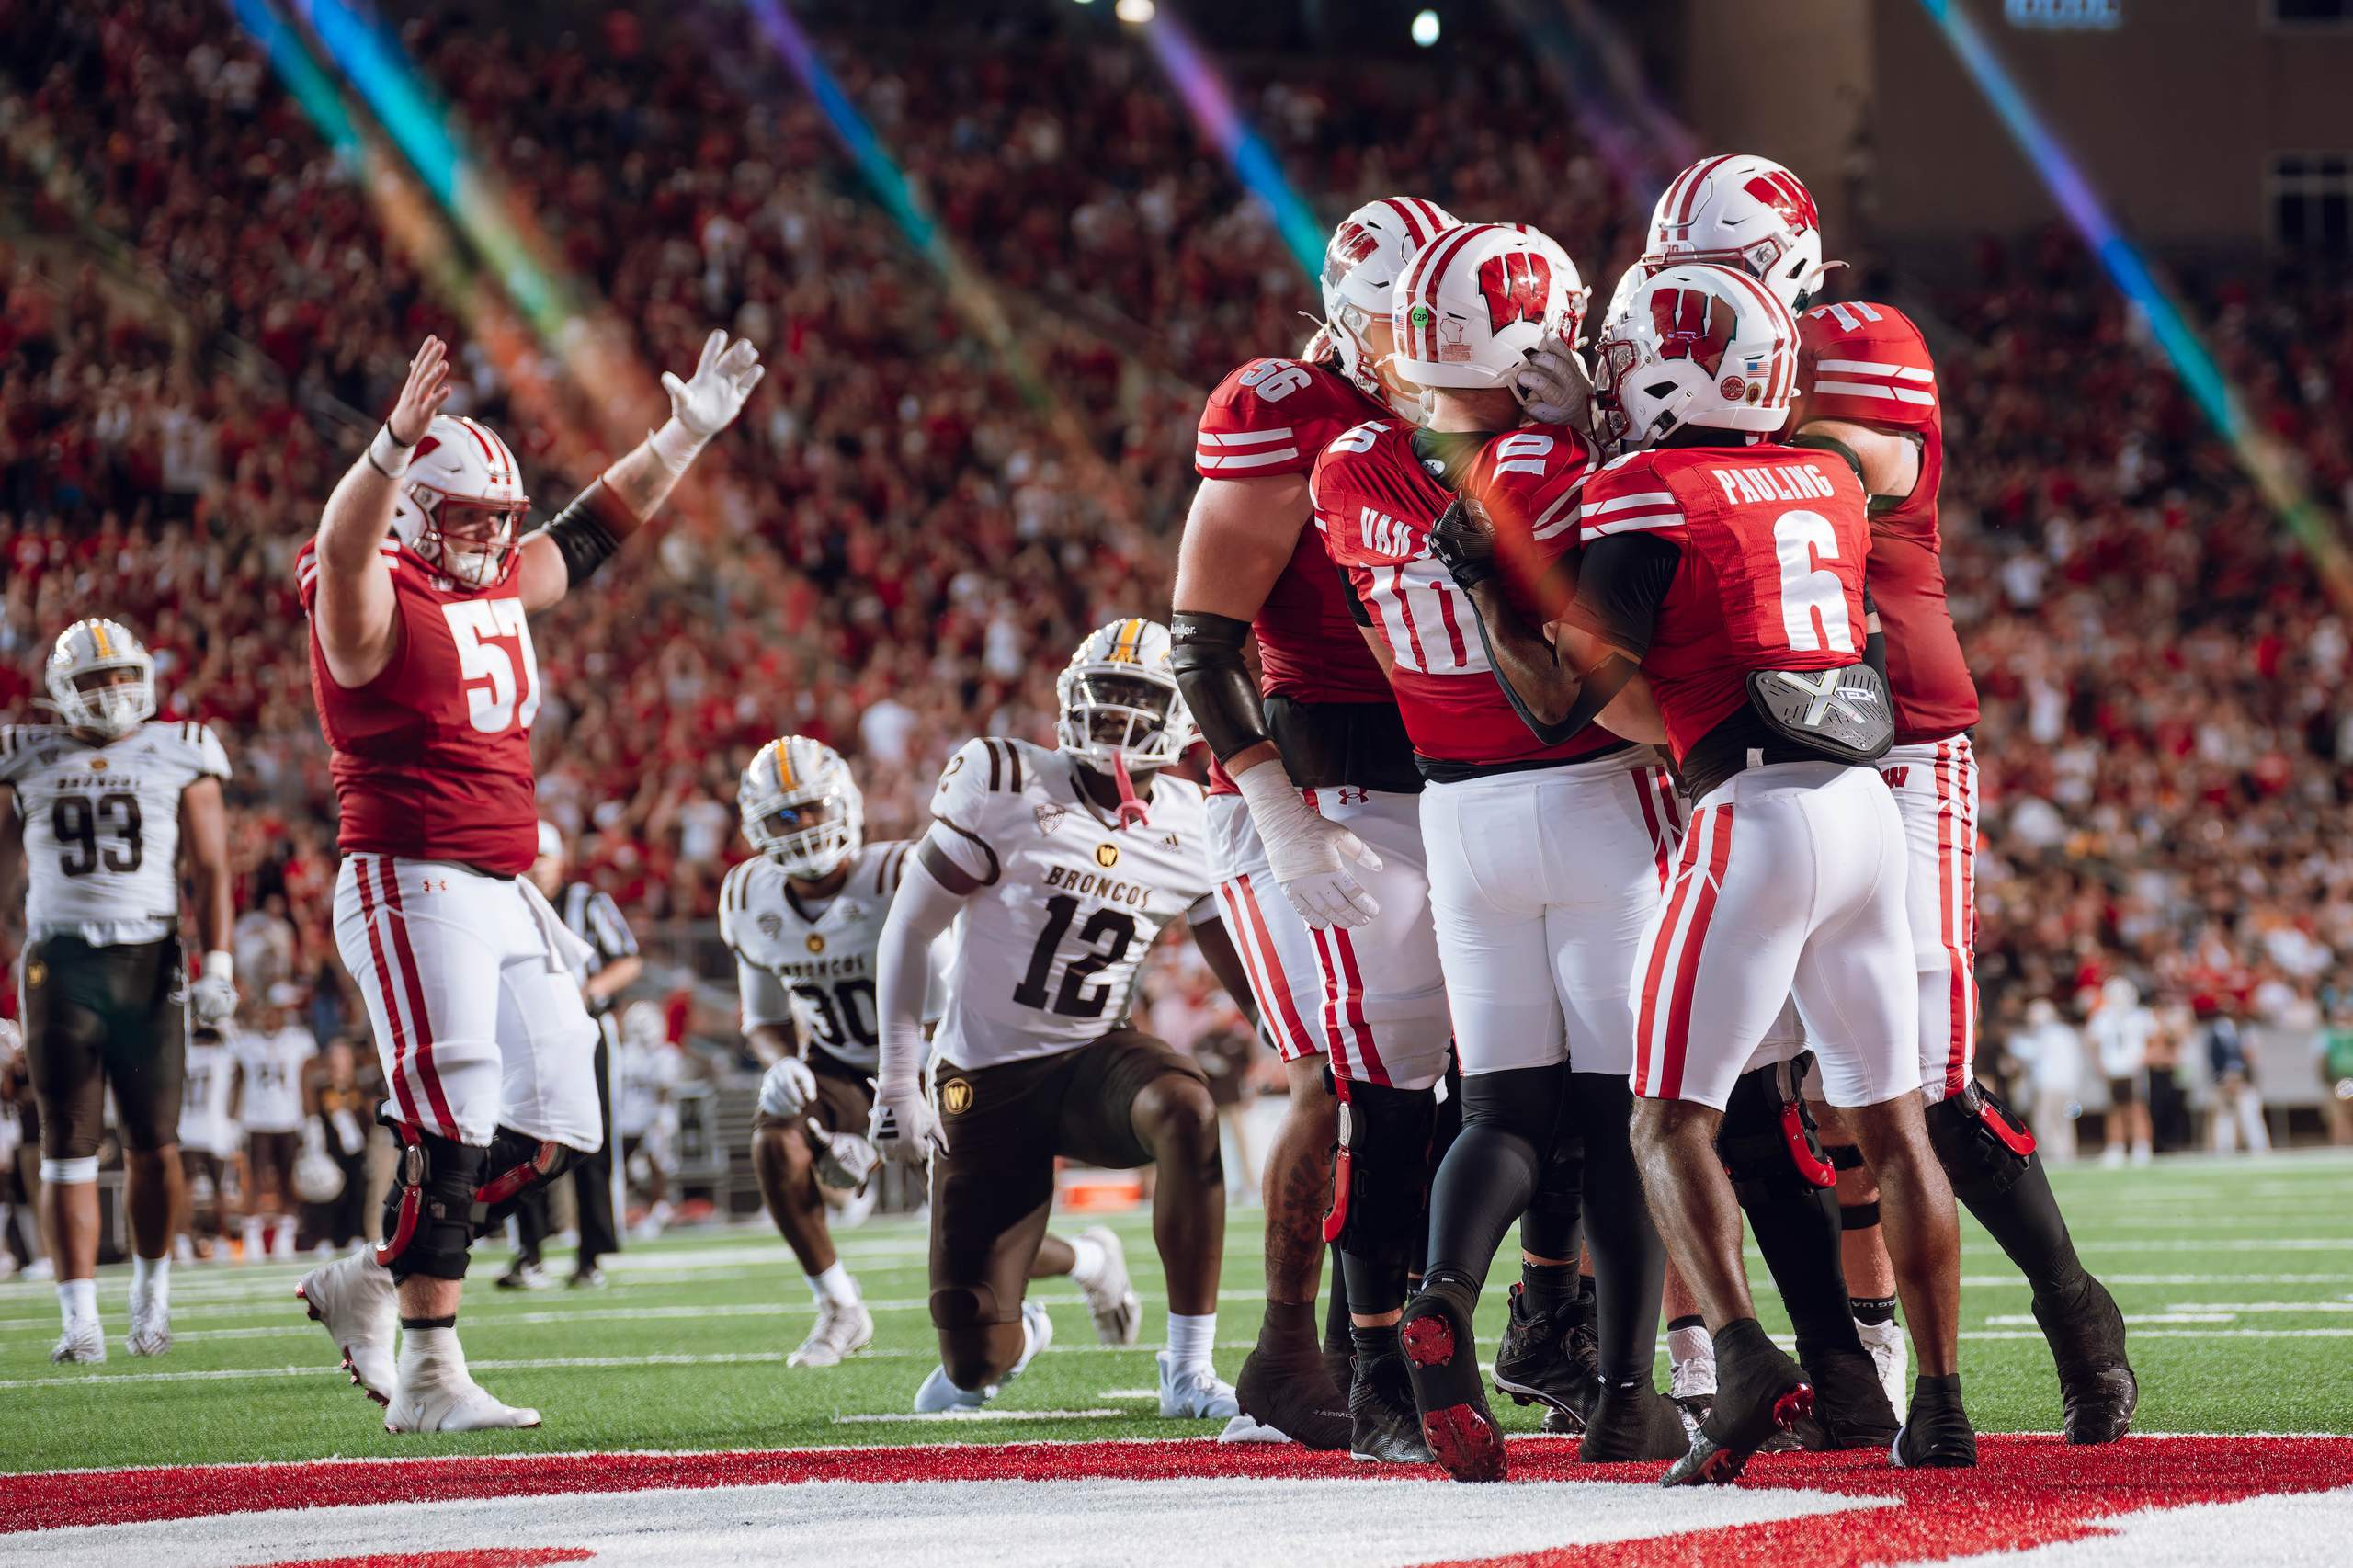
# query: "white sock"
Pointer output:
{"type": "Point", "coordinates": [429, 1348]}
{"type": "Point", "coordinates": [252, 1240]}
{"type": "Point", "coordinates": [151, 1280]}
{"type": "Point", "coordinates": [77, 1300]}
{"type": "Point", "coordinates": [1087, 1258]}
{"type": "Point", "coordinates": [834, 1285]}
{"type": "Point", "coordinates": [1191, 1339]}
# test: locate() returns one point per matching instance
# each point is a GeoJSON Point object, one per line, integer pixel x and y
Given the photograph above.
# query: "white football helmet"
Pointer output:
{"type": "Point", "coordinates": [1478, 302]}
{"type": "Point", "coordinates": [1737, 209]}
{"type": "Point", "coordinates": [1119, 699]}
{"type": "Point", "coordinates": [1696, 344]}
{"type": "Point", "coordinates": [800, 807]}
{"type": "Point", "coordinates": [460, 504]}
{"type": "Point", "coordinates": [644, 1026]}
{"type": "Point", "coordinates": [88, 648]}
{"type": "Point", "coordinates": [1367, 252]}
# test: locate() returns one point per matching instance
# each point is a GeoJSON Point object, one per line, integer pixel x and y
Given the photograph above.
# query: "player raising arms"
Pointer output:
{"type": "Point", "coordinates": [419, 587]}
{"type": "Point", "coordinates": [1866, 392]}
{"type": "Point", "coordinates": [1729, 571]}
{"type": "Point", "coordinates": [803, 919]}
{"type": "Point", "coordinates": [1065, 865]}
{"type": "Point", "coordinates": [1315, 800]}
{"type": "Point", "coordinates": [97, 811]}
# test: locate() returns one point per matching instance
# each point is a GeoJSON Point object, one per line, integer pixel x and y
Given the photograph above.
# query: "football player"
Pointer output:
{"type": "Point", "coordinates": [207, 1138]}
{"type": "Point", "coordinates": [1867, 392]}
{"type": "Point", "coordinates": [98, 813]}
{"type": "Point", "coordinates": [1313, 826]}
{"type": "Point", "coordinates": [1544, 860]}
{"type": "Point", "coordinates": [803, 919]}
{"type": "Point", "coordinates": [1729, 569]}
{"type": "Point", "coordinates": [419, 587]}
{"type": "Point", "coordinates": [270, 1059]}
{"type": "Point", "coordinates": [1065, 865]}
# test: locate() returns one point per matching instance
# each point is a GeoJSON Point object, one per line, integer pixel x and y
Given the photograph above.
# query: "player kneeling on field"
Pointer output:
{"type": "Point", "coordinates": [1064, 865]}
{"type": "Point", "coordinates": [1729, 569]}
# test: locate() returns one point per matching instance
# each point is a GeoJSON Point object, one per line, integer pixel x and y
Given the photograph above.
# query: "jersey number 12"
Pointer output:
{"type": "Point", "coordinates": [1073, 1000]}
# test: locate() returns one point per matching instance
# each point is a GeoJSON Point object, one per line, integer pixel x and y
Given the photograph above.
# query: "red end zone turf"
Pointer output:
{"type": "Point", "coordinates": [2030, 1491]}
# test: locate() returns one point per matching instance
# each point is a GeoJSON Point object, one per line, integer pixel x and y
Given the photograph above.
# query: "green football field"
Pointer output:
{"type": "Point", "coordinates": [2236, 1276]}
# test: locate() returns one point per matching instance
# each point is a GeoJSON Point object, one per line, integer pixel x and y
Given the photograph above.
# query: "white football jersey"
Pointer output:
{"type": "Point", "coordinates": [812, 965]}
{"type": "Point", "coordinates": [273, 1064]}
{"type": "Point", "coordinates": [1044, 957]}
{"type": "Point", "coordinates": [644, 1073]}
{"type": "Point", "coordinates": [102, 826]}
{"type": "Point", "coordinates": [206, 1079]}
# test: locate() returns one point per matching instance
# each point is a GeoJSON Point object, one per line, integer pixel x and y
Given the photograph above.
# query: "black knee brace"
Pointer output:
{"type": "Point", "coordinates": [428, 1213]}
{"type": "Point", "coordinates": [1980, 1146]}
{"type": "Point", "coordinates": [517, 1163]}
{"type": "Point", "coordinates": [1381, 1170]}
{"type": "Point", "coordinates": [1768, 1141]}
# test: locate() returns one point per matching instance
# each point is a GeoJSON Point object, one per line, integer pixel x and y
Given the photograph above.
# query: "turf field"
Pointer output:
{"type": "Point", "coordinates": [2236, 1276]}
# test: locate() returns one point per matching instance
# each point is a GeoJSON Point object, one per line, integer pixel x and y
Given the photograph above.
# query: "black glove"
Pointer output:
{"type": "Point", "coordinates": [1463, 540]}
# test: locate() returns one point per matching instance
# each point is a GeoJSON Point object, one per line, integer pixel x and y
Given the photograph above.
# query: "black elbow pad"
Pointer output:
{"type": "Point", "coordinates": [582, 535]}
{"type": "Point", "coordinates": [1207, 658]}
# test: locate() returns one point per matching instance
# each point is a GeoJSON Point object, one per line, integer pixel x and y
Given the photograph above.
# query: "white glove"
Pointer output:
{"type": "Point", "coordinates": [844, 1159]}
{"type": "Point", "coordinates": [903, 1128]}
{"type": "Point", "coordinates": [213, 997]}
{"type": "Point", "coordinates": [704, 406]}
{"type": "Point", "coordinates": [1554, 387]}
{"type": "Point", "coordinates": [1311, 858]}
{"type": "Point", "coordinates": [788, 1089]}
{"type": "Point", "coordinates": [12, 1039]}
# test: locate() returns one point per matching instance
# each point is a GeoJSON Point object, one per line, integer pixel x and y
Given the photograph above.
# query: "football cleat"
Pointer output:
{"type": "Point", "coordinates": [1760, 1390]}
{"type": "Point", "coordinates": [1936, 1434]}
{"type": "Point", "coordinates": [1539, 1361]}
{"type": "Point", "coordinates": [2096, 1383]}
{"type": "Point", "coordinates": [353, 1301]}
{"type": "Point", "coordinates": [1294, 1391]}
{"type": "Point", "coordinates": [1890, 1351]}
{"type": "Point", "coordinates": [447, 1398]}
{"type": "Point", "coordinates": [84, 1341]}
{"type": "Point", "coordinates": [589, 1278]}
{"type": "Point", "coordinates": [151, 1329]}
{"type": "Point", "coordinates": [1632, 1421]}
{"type": "Point", "coordinates": [1442, 1359]}
{"type": "Point", "coordinates": [938, 1394]}
{"type": "Point", "coordinates": [524, 1276]}
{"type": "Point", "coordinates": [841, 1332]}
{"type": "Point", "coordinates": [1383, 1425]}
{"type": "Point", "coordinates": [1119, 1316]}
{"type": "Point", "coordinates": [1850, 1408]}
{"type": "Point", "coordinates": [1194, 1393]}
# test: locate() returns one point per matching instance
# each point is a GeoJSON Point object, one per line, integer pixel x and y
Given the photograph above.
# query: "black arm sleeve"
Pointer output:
{"type": "Point", "coordinates": [1875, 641]}
{"type": "Point", "coordinates": [1216, 684]}
{"type": "Point", "coordinates": [585, 533]}
{"type": "Point", "coordinates": [1622, 581]}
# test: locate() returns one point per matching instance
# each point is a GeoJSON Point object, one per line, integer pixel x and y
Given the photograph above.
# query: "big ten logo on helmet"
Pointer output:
{"type": "Point", "coordinates": [1692, 325]}
{"type": "Point", "coordinates": [1516, 284]}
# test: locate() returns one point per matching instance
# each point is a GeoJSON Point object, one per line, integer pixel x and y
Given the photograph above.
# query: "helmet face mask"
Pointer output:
{"type": "Point", "coordinates": [1696, 344]}
{"type": "Point", "coordinates": [1119, 699]}
{"type": "Point", "coordinates": [470, 542]}
{"type": "Point", "coordinates": [461, 507]}
{"type": "Point", "coordinates": [1368, 252]}
{"type": "Point", "coordinates": [801, 809]}
{"type": "Point", "coordinates": [101, 679]}
{"type": "Point", "coordinates": [1477, 304]}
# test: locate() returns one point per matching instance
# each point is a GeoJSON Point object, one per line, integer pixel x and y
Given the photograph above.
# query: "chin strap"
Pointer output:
{"type": "Point", "coordinates": [1131, 813]}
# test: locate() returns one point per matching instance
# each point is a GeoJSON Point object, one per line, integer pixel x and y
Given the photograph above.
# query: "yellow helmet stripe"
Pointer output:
{"type": "Point", "coordinates": [98, 636]}
{"type": "Point", "coordinates": [1124, 651]}
{"type": "Point", "coordinates": [783, 766]}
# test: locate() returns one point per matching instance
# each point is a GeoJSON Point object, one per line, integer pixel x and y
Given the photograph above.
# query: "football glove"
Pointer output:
{"type": "Point", "coordinates": [707, 403]}
{"type": "Point", "coordinates": [1463, 540]}
{"type": "Point", "coordinates": [1555, 387]}
{"type": "Point", "coordinates": [213, 996]}
{"type": "Point", "coordinates": [903, 1126]}
{"type": "Point", "coordinates": [788, 1089]}
{"type": "Point", "coordinates": [844, 1159]}
{"type": "Point", "coordinates": [1315, 861]}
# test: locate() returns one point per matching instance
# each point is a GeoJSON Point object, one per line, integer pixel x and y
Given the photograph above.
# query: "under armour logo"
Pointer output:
{"type": "Point", "coordinates": [429, 885]}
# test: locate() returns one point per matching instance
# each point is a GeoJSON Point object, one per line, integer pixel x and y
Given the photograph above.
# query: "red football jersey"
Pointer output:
{"type": "Point", "coordinates": [1868, 364]}
{"type": "Point", "coordinates": [1773, 541]}
{"type": "Point", "coordinates": [1375, 504]}
{"type": "Point", "coordinates": [1269, 417]}
{"type": "Point", "coordinates": [432, 759]}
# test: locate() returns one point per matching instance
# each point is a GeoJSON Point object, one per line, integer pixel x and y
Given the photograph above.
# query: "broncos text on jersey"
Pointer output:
{"type": "Point", "coordinates": [1045, 956]}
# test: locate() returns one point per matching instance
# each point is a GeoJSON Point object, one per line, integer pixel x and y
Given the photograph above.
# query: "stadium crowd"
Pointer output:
{"type": "Point", "coordinates": [915, 529]}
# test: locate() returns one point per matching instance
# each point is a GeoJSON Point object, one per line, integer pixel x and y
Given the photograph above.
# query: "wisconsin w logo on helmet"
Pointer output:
{"type": "Point", "coordinates": [1516, 285]}
{"type": "Point", "coordinates": [1694, 325]}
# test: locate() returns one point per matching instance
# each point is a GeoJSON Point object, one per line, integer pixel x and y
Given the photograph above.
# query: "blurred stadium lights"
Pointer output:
{"type": "Point", "coordinates": [1425, 27]}
{"type": "Point", "coordinates": [1135, 12]}
{"type": "Point", "coordinates": [1593, 71]}
{"type": "Point", "coordinates": [2264, 457]}
{"type": "Point", "coordinates": [1210, 100]}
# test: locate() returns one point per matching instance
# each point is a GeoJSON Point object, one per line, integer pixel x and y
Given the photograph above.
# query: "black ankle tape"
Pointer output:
{"type": "Point", "coordinates": [1873, 1310]}
{"type": "Point", "coordinates": [1859, 1216]}
{"type": "Point", "coordinates": [449, 1321]}
{"type": "Point", "coordinates": [1690, 1320]}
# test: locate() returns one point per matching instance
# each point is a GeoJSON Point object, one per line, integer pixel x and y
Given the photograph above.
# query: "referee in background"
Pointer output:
{"type": "Point", "coordinates": [612, 966]}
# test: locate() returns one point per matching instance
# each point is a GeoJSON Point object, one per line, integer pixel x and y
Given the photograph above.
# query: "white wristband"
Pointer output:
{"type": "Point", "coordinates": [388, 456]}
{"type": "Point", "coordinates": [219, 965]}
{"type": "Point", "coordinates": [675, 447]}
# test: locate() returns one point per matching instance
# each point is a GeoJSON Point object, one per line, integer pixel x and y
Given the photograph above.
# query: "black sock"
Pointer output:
{"type": "Point", "coordinates": [1373, 1342]}
{"type": "Point", "coordinates": [1629, 1261]}
{"type": "Point", "coordinates": [1873, 1310]}
{"type": "Point", "coordinates": [1797, 1232]}
{"type": "Point", "coordinates": [1335, 1308]}
{"type": "Point", "coordinates": [1936, 1393]}
{"type": "Point", "coordinates": [1489, 1175]}
{"type": "Point", "coordinates": [1288, 1326]}
{"type": "Point", "coordinates": [2024, 1218]}
{"type": "Point", "coordinates": [1548, 1288]}
{"type": "Point", "coordinates": [1689, 1320]}
{"type": "Point", "coordinates": [449, 1321]}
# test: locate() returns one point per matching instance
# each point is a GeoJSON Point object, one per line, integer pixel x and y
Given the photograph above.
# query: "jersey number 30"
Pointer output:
{"type": "Point", "coordinates": [1107, 932]}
